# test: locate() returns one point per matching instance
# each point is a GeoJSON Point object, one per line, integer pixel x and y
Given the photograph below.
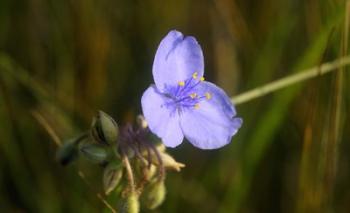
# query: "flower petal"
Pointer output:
{"type": "Point", "coordinates": [162, 121]}
{"type": "Point", "coordinates": [212, 125]}
{"type": "Point", "coordinates": [176, 59]}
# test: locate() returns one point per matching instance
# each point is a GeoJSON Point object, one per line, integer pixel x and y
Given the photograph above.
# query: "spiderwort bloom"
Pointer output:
{"type": "Point", "coordinates": [181, 103]}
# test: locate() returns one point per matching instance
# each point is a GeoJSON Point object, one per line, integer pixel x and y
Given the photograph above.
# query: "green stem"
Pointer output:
{"type": "Point", "coordinates": [290, 80]}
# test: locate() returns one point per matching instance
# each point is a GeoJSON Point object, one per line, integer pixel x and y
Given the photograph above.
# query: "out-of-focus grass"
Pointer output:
{"type": "Point", "coordinates": [66, 59]}
{"type": "Point", "coordinates": [270, 121]}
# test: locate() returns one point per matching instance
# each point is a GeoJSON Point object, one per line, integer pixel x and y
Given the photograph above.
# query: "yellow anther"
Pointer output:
{"type": "Point", "coordinates": [195, 75]}
{"type": "Point", "coordinates": [208, 95]}
{"type": "Point", "coordinates": [181, 83]}
{"type": "Point", "coordinates": [193, 95]}
{"type": "Point", "coordinates": [196, 106]}
{"type": "Point", "coordinates": [202, 79]}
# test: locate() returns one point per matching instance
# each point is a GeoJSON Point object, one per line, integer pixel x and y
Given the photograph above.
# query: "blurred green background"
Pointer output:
{"type": "Point", "coordinates": [64, 60]}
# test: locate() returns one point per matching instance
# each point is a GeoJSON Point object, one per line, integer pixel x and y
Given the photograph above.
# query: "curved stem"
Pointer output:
{"type": "Point", "coordinates": [129, 172]}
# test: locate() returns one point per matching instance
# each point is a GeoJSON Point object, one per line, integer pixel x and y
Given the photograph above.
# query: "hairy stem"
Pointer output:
{"type": "Point", "coordinates": [129, 172]}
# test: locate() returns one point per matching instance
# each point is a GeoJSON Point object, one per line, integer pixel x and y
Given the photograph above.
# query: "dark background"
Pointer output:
{"type": "Point", "coordinates": [64, 60]}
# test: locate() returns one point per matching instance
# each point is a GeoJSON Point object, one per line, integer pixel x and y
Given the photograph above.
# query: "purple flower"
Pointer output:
{"type": "Point", "coordinates": [181, 104]}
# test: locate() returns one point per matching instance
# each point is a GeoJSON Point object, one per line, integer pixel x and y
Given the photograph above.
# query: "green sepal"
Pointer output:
{"type": "Point", "coordinates": [112, 176]}
{"type": "Point", "coordinates": [96, 153]}
{"type": "Point", "coordinates": [104, 129]}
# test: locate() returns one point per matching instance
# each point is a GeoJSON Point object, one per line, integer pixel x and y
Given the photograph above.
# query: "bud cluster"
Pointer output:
{"type": "Point", "coordinates": [134, 163]}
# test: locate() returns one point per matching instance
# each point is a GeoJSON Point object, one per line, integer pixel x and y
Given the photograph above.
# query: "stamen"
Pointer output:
{"type": "Point", "coordinates": [184, 95]}
{"type": "Point", "coordinates": [181, 83]}
{"type": "Point", "coordinates": [193, 86]}
{"type": "Point", "coordinates": [182, 99]}
{"type": "Point", "coordinates": [195, 75]}
{"type": "Point", "coordinates": [196, 106]}
{"type": "Point", "coordinates": [183, 88]}
{"type": "Point", "coordinates": [193, 95]}
{"type": "Point", "coordinates": [208, 95]}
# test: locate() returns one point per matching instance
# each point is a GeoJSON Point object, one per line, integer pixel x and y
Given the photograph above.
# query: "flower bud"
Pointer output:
{"type": "Point", "coordinates": [130, 204]}
{"type": "Point", "coordinates": [111, 176]}
{"type": "Point", "coordinates": [141, 121]}
{"type": "Point", "coordinates": [67, 152]}
{"type": "Point", "coordinates": [95, 152]}
{"type": "Point", "coordinates": [104, 129]}
{"type": "Point", "coordinates": [168, 161]}
{"type": "Point", "coordinates": [160, 147]}
{"type": "Point", "coordinates": [154, 195]}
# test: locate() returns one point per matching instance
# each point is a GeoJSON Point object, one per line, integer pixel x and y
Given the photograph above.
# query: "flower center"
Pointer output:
{"type": "Point", "coordinates": [184, 95]}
